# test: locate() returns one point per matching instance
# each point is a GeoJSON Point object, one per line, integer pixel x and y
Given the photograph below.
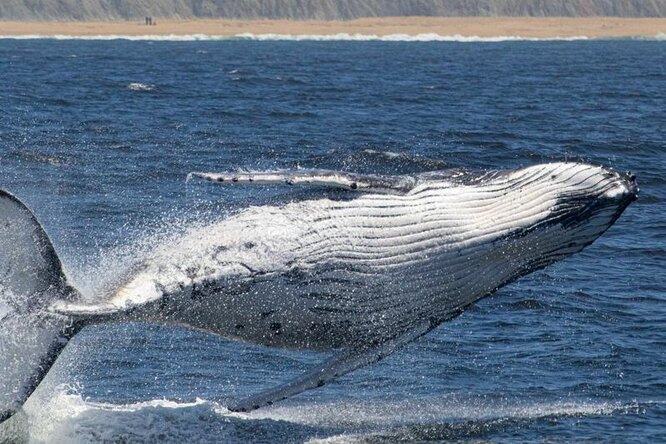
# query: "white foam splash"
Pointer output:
{"type": "Point", "coordinates": [387, 154]}
{"type": "Point", "coordinates": [65, 416]}
{"type": "Point", "coordinates": [5, 308]}
{"type": "Point", "coordinates": [434, 411]}
{"type": "Point", "coordinates": [136, 86]}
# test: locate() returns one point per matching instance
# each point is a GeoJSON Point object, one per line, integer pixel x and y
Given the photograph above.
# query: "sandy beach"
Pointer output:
{"type": "Point", "coordinates": [525, 27]}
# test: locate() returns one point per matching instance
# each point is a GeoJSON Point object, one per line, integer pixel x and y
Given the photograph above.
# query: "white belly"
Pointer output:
{"type": "Point", "coordinates": [322, 274]}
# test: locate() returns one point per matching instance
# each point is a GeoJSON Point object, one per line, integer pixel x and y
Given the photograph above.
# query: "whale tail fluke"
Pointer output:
{"type": "Point", "coordinates": [31, 279]}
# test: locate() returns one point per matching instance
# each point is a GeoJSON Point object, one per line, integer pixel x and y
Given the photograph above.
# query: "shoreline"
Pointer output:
{"type": "Point", "coordinates": [459, 27]}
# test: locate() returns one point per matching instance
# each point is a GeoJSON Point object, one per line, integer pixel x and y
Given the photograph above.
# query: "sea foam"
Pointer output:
{"type": "Point", "coordinates": [343, 36]}
{"type": "Point", "coordinates": [425, 37]}
{"type": "Point", "coordinates": [64, 416]}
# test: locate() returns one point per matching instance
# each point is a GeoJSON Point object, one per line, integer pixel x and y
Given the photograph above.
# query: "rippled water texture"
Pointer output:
{"type": "Point", "coordinates": [97, 137]}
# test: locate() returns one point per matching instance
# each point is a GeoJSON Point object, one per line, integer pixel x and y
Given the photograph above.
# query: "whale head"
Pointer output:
{"type": "Point", "coordinates": [567, 206]}
{"type": "Point", "coordinates": [590, 199]}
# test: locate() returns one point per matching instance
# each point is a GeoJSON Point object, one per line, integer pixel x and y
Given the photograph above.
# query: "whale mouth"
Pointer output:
{"type": "Point", "coordinates": [632, 185]}
{"type": "Point", "coordinates": [622, 188]}
{"type": "Point", "coordinates": [623, 192]}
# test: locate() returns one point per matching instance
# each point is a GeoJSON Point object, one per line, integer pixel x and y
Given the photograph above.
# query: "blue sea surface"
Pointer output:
{"type": "Point", "coordinates": [97, 137]}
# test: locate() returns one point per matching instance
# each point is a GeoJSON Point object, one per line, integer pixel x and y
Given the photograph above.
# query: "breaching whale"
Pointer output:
{"type": "Point", "coordinates": [361, 270]}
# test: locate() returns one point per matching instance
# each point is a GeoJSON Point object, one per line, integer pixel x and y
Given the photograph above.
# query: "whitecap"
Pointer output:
{"type": "Point", "coordinates": [136, 86]}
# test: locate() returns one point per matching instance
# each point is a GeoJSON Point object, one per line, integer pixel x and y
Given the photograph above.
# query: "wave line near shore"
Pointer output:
{"type": "Point", "coordinates": [429, 37]}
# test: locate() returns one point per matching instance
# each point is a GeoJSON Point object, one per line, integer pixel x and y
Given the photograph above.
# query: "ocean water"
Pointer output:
{"type": "Point", "coordinates": [97, 137]}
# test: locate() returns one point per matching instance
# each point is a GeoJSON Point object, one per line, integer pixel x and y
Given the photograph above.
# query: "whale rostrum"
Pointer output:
{"type": "Point", "coordinates": [361, 270]}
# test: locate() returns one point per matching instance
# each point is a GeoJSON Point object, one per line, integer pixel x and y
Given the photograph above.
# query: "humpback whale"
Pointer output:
{"type": "Point", "coordinates": [364, 265]}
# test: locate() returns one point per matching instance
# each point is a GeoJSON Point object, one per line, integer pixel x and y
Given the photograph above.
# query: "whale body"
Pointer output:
{"type": "Point", "coordinates": [361, 271]}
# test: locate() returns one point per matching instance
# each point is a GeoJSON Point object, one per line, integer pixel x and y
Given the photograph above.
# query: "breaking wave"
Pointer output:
{"type": "Point", "coordinates": [430, 37]}
{"type": "Point", "coordinates": [425, 37]}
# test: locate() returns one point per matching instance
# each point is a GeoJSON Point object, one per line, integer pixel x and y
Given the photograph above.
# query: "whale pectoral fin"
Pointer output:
{"type": "Point", "coordinates": [338, 365]}
{"type": "Point", "coordinates": [338, 179]}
